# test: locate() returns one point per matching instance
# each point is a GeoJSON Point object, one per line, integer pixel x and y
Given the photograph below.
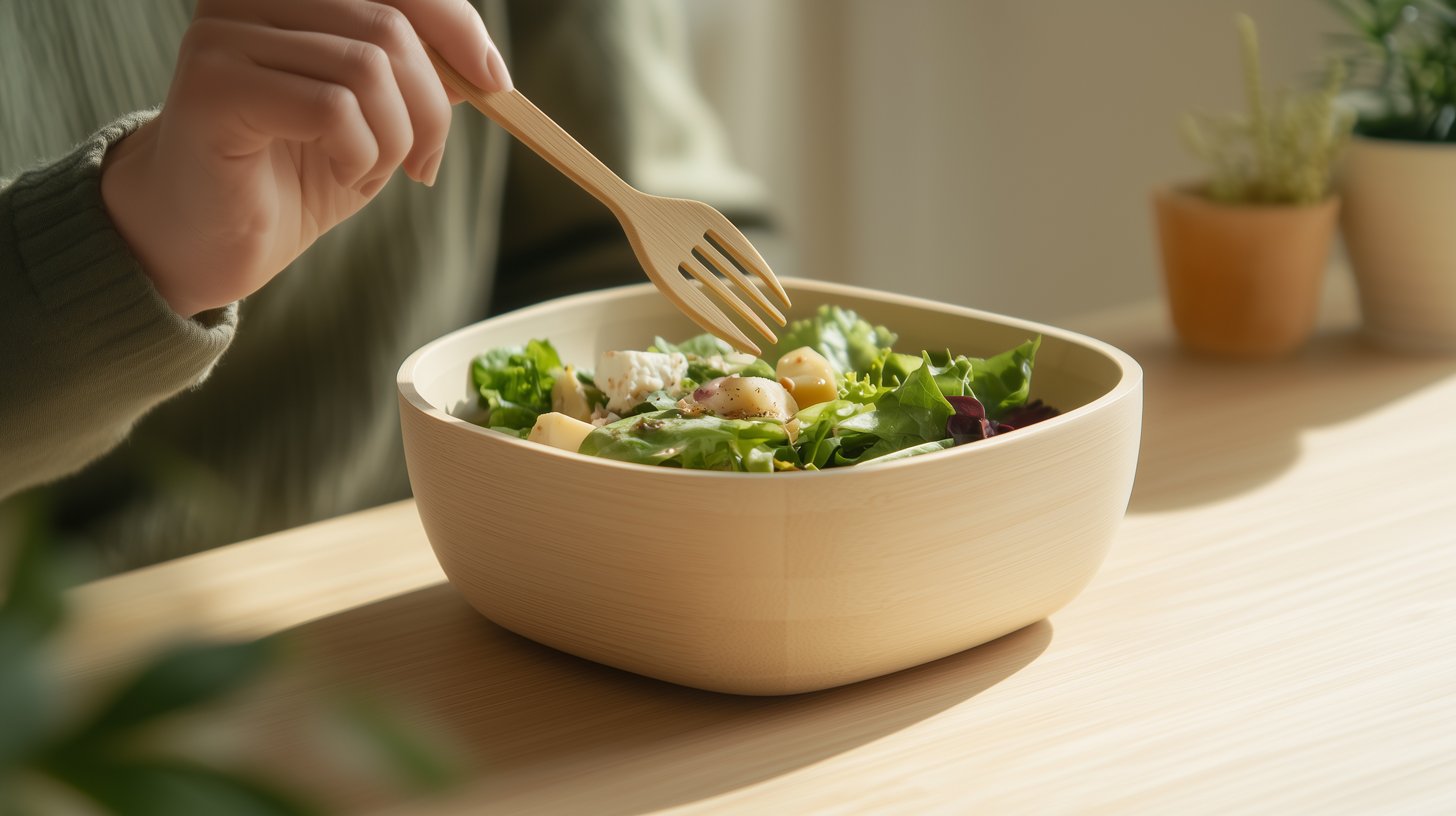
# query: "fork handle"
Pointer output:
{"type": "Point", "coordinates": [523, 120]}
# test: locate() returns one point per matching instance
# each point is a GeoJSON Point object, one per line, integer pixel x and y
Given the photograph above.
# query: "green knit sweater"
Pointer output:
{"type": "Point", "coordinates": [149, 436]}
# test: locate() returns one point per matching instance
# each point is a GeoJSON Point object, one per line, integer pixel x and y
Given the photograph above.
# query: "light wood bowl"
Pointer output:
{"type": "Point", "coordinates": [772, 583]}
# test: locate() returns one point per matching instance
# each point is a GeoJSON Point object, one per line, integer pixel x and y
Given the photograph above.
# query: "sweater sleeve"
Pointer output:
{"type": "Point", "coordinates": [87, 345]}
{"type": "Point", "coordinates": [617, 75]}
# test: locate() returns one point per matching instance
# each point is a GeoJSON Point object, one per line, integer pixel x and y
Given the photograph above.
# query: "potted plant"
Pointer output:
{"type": "Point", "coordinates": [1244, 251]}
{"type": "Point", "coordinates": [1398, 179]}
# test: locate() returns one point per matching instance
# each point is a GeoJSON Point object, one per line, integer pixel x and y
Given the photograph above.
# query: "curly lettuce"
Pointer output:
{"type": "Point", "coordinates": [847, 341]}
{"type": "Point", "coordinates": [913, 413]}
{"type": "Point", "coordinates": [514, 383]}
{"type": "Point", "coordinates": [1001, 383]}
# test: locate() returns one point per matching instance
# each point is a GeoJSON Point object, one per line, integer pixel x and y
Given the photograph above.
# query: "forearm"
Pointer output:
{"type": "Point", "coordinates": [87, 346]}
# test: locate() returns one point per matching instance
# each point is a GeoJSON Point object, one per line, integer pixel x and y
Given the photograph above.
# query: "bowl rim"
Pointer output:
{"type": "Point", "coordinates": [1131, 380]}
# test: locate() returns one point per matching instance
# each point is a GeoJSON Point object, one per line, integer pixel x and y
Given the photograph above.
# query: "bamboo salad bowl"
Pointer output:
{"type": "Point", "coordinates": [772, 583]}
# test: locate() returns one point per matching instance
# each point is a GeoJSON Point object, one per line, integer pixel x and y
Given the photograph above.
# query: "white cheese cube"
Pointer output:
{"type": "Point", "coordinates": [627, 377]}
{"type": "Point", "coordinates": [560, 431]}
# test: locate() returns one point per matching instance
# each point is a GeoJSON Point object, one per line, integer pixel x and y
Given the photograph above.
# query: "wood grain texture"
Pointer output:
{"type": "Point", "coordinates": [1271, 633]}
{"type": "Point", "coordinates": [666, 233]}
{"type": "Point", "coordinates": [782, 583]}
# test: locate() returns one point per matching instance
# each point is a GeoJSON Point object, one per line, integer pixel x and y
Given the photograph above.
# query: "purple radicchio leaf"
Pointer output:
{"type": "Point", "coordinates": [965, 429]}
{"type": "Point", "coordinates": [967, 406]}
{"type": "Point", "coordinates": [969, 423]}
{"type": "Point", "coordinates": [1028, 414]}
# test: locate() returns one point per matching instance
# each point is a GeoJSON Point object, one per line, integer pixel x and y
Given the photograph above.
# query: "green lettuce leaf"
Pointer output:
{"type": "Point", "coordinates": [700, 372]}
{"type": "Point", "coordinates": [914, 450]}
{"type": "Point", "coordinates": [892, 368]}
{"type": "Point", "coordinates": [515, 382]}
{"type": "Point", "coordinates": [913, 413]}
{"type": "Point", "coordinates": [703, 345]}
{"type": "Point", "coordinates": [757, 368]}
{"type": "Point", "coordinates": [861, 388]}
{"type": "Point", "coordinates": [818, 441]}
{"type": "Point", "coordinates": [699, 443]}
{"type": "Point", "coordinates": [847, 341]}
{"type": "Point", "coordinates": [1000, 383]}
{"type": "Point", "coordinates": [656, 401]}
{"type": "Point", "coordinates": [915, 410]}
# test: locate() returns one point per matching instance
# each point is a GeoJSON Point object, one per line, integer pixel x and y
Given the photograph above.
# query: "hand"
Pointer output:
{"type": "Point", "coordinates": [284, 118]}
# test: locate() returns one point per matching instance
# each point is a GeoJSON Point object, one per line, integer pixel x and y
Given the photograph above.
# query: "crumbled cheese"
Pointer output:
{"type": "Point", "coordinates": [602, 417]}
{"type": "Point", "coordinates": [627, 377]}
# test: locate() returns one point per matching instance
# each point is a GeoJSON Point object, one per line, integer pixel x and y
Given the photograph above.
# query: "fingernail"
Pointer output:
{"type": "Point", "coordinates": [433, 166]}
{"type": "Point", "coordinates": [498, 72]}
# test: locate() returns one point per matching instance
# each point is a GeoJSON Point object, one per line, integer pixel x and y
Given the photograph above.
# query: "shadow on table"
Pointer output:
{"type": "Point", "coordinates": [548, 732]}
{"type": "Point", "coordinates": [1337, 378]}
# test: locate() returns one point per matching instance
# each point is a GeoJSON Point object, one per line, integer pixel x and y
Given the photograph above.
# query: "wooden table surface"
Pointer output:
{"type": "Point", "coordinates": [1273, 632]}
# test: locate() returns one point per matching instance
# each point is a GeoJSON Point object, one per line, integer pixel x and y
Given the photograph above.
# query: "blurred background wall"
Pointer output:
{"type": "Point", "coordinates": [992, 153]}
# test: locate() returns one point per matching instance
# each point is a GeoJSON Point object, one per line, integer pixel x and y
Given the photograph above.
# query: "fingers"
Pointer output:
{"type": "Point", "coordinates": [383, 26]}
{"type": "Point", "coordinates": [360, 68]}
{"type": "Point", "coordinates": [455, 29]}
{"type": "Point", "coordinates": [350, 43]}
{"type": "Point", "coordinates": [271, 104]}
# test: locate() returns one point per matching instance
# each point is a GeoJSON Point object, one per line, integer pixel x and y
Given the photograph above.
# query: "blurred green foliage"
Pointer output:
{"type": "Point", "coordinates": [102, 756]}
{"type": "Point", "coordinates": [1402, 57]}
{"type": "Point", "coordinates": [1282, 149]}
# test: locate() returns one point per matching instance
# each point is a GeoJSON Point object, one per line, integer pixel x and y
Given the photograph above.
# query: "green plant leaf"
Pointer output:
{"type": "Point", "coordinates": [416, 761]}
{"type": "Point", "coordinates": [182, 677]}
{"type": "Point", "coordinates": [174, 788]}
{"type": "Point", "coordinates": [32, 609]}
{"type": "Point", "coordinates": [28, 701]}
{"type": "Point", "coordinates": [1281, 149]}
{"type": "Point", "coordinates": [1406, 61]}
{"type": "Point", "coordinates": [846, 340]}
{"type": "Point", "coordinates": [32, 594]}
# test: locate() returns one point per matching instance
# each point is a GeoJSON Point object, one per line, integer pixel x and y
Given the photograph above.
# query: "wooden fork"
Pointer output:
{"type": "Point", "coordinates": [673, 238]}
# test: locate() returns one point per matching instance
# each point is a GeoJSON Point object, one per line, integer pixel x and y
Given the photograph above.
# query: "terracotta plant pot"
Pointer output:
{"type": "Point", "coordinates": [1243, 280]}
{"type": "Point", "coordinates": [1400, 230]}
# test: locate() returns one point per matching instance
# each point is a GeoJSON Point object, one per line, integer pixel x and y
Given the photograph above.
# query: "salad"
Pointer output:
{"type": "Point", "coordinates": [832, 393]}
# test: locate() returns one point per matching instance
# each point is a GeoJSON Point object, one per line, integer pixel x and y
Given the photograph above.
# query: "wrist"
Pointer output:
{"type": "Point", "coordinates": [128, 185]}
